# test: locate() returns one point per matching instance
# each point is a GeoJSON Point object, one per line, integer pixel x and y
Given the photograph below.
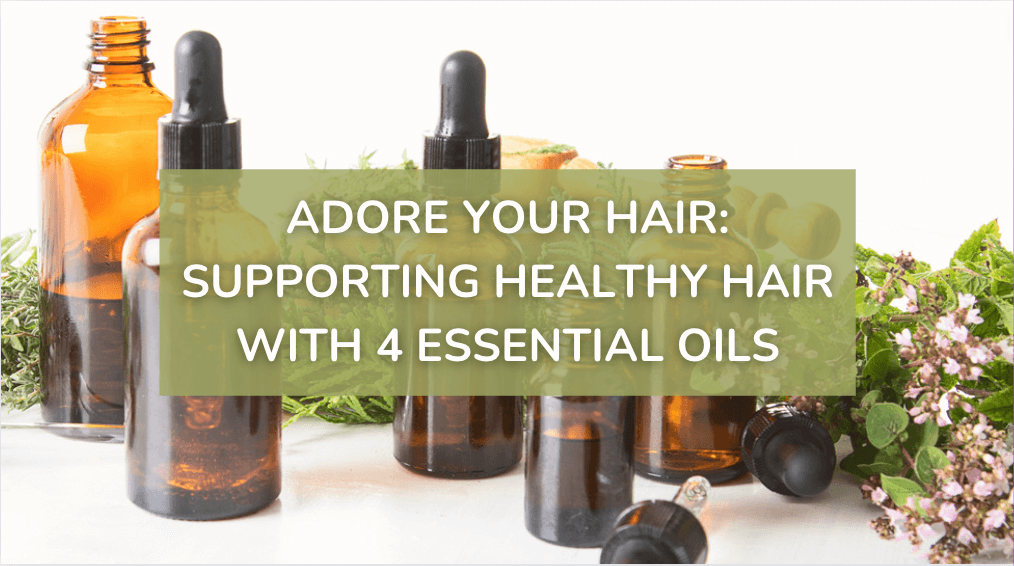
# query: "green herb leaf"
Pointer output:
{"type": "Point", "coordinates": [971, 248]}
{"type": "Point", "coordinates": [999, 407]}
{"type": "Point", "coordinates": [900, 489]}
{"type": "Point", "coordinates": [921, 435]}
{"type": "Point", "coordinates": [928, 459]}
{"type": "Point", "coordinates": [884, 423]}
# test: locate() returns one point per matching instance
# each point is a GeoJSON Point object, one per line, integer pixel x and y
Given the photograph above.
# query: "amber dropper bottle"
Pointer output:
{"type": "Point", "coordinates": [662, 532]}
{"type": "Point", "coordinates": [99, 164]}
{"type": "Point", "coordinates": [678, 437]}
{"type": "Point", "coordinates": [194, 458]}
{"type": "Point", "coordinates": [789, 451]}
{"type": "Point", "coordinates": [460, 437]}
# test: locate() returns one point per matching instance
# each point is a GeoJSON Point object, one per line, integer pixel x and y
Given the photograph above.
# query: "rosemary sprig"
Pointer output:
{"type": "Point", "coordinates": [20, 385]}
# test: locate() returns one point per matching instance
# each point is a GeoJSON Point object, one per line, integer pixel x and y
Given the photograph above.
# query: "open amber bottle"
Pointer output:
{"type": "Point", "coordinates": [200, 457]}
{"type": "Point", "coordinates": [579, 463]}
{"type": "Point", "coordinates": [99, 163]}
{"type": "Point", "coordinates": [679, 437]}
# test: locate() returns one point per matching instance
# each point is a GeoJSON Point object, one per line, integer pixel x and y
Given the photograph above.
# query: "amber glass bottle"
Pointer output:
{"type": "Point", "coordinates": [579, 468]}
{"type": "Point", "coordinates": [579, 463]}
{"type": "Point", "coordinates": [460, 437]}
{"type": "Point", "coordinates": [679, 437]}
{"type": "Point", "coordinates": [195, 458]}
{"type": "Point", "coordinates": [447, 436]}
{"type": "Point", "coordinates": [99, 164]}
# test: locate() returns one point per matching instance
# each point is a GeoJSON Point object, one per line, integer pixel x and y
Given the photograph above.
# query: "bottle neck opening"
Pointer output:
{"type": "Point", "coordinates": [697, 177]}
{"type": "Point", "coordinates": [696, 161]}
{"type": "Point", "coordinates": [119, 52]}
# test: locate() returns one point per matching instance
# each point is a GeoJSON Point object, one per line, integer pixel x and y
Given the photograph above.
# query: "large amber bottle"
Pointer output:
{"type": "Point", "coordinates": [99, 164]}
{"type": "Point", "coordinates": [460, 437]}
{"type": "Point", "coordinates": [209, 457]}
{"type": "Point", "coordinates": [679, 437]}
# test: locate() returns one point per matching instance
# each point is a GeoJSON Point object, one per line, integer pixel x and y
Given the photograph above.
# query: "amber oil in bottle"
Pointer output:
{"type": "Point", "coordinates": [98, 178]}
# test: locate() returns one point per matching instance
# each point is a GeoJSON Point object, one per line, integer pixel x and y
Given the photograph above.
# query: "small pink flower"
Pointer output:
{"type": "Point", "coordinates": [927, 370]}
{"type": "Point", "coordinates": [952, 367]}
{"type": "Point", "coordinates": [941, 340]}
{"type": "Point", "coordinates": [982, 489]}
{"type": "Point", "coordinates": [994, 520]}
{"type": "Point", "coordinates": [878, 496]}
{"type": "Point", "coordinates": [903, 304]}
{"type": "Point", "coordinates": [965, 537]}
{"type": "Point", "coordinates": [910, 293]}
{"type": "Point", "coordinates": [948, 512]}
{"type": "Point", "coordinates": [979, 355]}
{"type": "Point", "coordinates": [973, 317]}
{"type": "Point", "coordinates": [921, 418]}
{"type": "Point", "coordinates": [966, 300]}
{"type": "Point", "coordinates": [953, 489]}
{"type": "Point", "coordinates": [959, 334]}
{"type": "Point", "coordinates": [943, 419]}
{"type": "Point", "coordinates": [1007, 352]}
{"type": "Point", "coordinates": [913, 392]}
{"type": "Point", "coordinates": [904, 338]}
{"type": "Point", "coordinates": [926, 532]}
{"type": "Point", "coordinates": [974, 373]}
{"type": "Point", "coordinates": [946, 323]}
{"type": "Point", "coordinates": [973, 475]}
{"type": "Point", "coordinates": [1007, 458]}
{"type": "Point", "coordinates": [926, 503]}
{"type": "Point", "coordinates": [895, 515]}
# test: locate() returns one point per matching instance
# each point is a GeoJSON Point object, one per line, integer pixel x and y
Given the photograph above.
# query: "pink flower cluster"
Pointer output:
{"type": "Point", "coordinates": [945, 349]}
{"type": "Point", "coordinates": [971, 498]}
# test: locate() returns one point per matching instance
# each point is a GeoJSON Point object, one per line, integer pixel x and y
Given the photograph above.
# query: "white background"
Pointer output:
{"type": "Point", "coordinates": [917, 97]}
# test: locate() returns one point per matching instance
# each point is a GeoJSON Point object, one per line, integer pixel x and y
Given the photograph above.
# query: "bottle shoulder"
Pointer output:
{"type": "Point", "coordinates": [135, 245]}
{"type": "Point", "coordinates": [109, 110]}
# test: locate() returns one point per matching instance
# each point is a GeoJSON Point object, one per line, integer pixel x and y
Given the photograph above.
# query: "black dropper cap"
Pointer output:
{"type": "Point", "coordinates": [199, 134]}
{"type": "Point", "coordinates": [656, 532]}
{"type": "Point", "coordinates": [461, 139]}
{"type": "Point", "coordinates": [788, 451]}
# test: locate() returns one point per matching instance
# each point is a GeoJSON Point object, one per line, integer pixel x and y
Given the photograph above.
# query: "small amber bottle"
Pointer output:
{"type": "Point", "coordinates": [195, 458]}
{"type": "Point", "coordinates": [678, 437]}
{"type": "Point", "coordinates": [579, 469]}
{"type": "Point", "coordinates": [460, 437]}
{"type": "Point", "coordinates": [579, 463]}
{"type": "Point", "coordinates": [99, 165]}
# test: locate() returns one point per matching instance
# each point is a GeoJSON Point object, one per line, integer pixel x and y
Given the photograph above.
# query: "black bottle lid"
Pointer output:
{"type": "Point", "coordinates": [788, 451]}
{"type": "Point", "coordinates": [656, 532]}
{"type": "Point", "coordinates": [199, 134]}
{"type": "Point", "coordinates": [461, 139]}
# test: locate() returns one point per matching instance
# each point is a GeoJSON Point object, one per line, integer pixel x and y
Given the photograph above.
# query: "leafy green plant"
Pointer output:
{"type": "Point", "coordinates": [21, 387]}
{"type": "Point", "coordinates": [930, 424]}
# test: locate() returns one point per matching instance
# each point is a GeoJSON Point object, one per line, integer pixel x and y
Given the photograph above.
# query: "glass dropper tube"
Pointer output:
{"type": "Point", "coordinates": [693, 495]}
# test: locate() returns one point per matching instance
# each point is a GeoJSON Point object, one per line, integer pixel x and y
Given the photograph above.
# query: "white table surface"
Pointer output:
{"type": "Point", "coordinates": [345, 499]}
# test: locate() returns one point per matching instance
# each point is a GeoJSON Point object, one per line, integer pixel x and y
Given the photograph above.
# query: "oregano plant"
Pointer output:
{"type": "Point", "coordinates": [930, 426]}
